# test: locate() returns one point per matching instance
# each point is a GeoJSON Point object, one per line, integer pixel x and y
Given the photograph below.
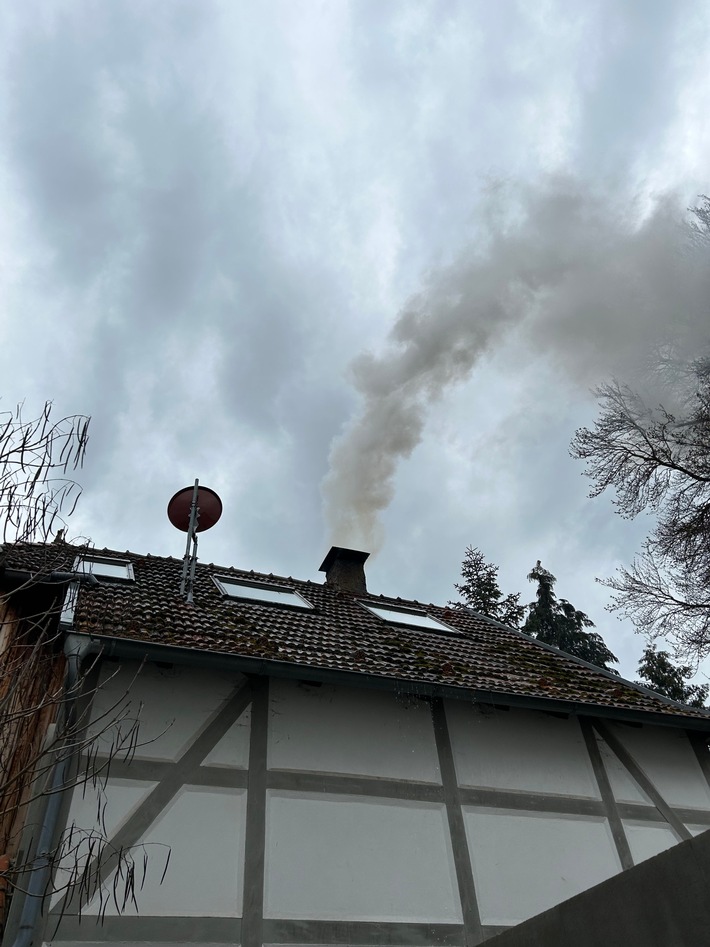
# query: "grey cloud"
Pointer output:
{"type": "Point", "coordinates": [631, 85]}
{"type": "Point", "coordinates": [204, 182]}
{"type": "Point", "coordinates": [129, 176]}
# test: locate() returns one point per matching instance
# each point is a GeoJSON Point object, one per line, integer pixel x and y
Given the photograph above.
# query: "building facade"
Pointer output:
{"type": "Point", "coordinates": [318, 765]}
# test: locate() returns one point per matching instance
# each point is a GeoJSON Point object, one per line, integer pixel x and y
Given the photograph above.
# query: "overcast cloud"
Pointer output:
{"type": "Point", "coordinates": [346, 260]}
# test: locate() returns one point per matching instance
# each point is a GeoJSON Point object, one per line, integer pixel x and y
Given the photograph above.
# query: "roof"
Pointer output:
{"type": "Point", "coordinates": [483, 659]}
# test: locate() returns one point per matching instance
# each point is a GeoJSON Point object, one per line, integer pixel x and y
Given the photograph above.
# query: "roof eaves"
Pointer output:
{"type": "Point", "coordinates": [155, 651]}
{"type": "Point", "coordinates": [616, 678]}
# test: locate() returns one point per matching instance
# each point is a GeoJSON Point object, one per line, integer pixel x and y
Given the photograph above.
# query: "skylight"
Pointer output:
{"type": "Point", "coordinates": [271, 594]}
{"type": "Point", "coordinates": [105, 568]}
{"type": "Point", "coordinates": [404, 616]}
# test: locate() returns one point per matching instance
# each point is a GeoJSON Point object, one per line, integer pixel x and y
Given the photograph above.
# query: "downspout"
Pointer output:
{"type": "Point", "coordinates": [76, 648]}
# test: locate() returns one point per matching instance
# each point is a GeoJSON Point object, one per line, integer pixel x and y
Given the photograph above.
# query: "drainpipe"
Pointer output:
{"type": "Point", "coordinates": [76, 648]}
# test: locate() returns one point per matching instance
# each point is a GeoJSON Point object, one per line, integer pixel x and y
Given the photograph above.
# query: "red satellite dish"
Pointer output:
{"type": "Point", "coordinates": [207, 500]}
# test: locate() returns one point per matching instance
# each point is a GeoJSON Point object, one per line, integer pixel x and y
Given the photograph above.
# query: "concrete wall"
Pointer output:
{"type": "Point", "coordinates": [664, 902]}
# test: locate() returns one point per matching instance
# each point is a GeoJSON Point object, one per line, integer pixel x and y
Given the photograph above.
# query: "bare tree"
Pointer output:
{"type": "Point", "coordinates": [47, 746]}
{"type": "Point", "coordinates": [658, 460]}
{"type": "Point", "coordinates": [35, 457]}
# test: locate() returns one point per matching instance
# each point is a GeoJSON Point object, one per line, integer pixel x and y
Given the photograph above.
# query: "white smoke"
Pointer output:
{"type": "Point", "coordinates": [588, 280]}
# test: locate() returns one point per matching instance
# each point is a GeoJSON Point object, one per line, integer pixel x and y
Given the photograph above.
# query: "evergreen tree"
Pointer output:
{"type": "Point", "coordinates": [661, 675]}
{"type": "Point", "coordinates": [557, 622]}
{"type": "Point", "coordinates": [481, 592]}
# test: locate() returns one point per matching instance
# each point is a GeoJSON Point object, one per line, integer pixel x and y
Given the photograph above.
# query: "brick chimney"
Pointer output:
{"type": "Point", "coordinates": [344, 570]}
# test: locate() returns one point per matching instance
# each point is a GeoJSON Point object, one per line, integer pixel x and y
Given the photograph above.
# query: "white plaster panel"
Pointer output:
{"type": "Point", "coordinates": [348, 730]}
{"type": "Point", "coordinates": [525, 863]}
{"type": "Point", "coordinates": [519, 750]}
{"type": "Point", "coordinates": [344, 857]}
{"type": "Point", "coordinates": [114, 799]}
{"type": "Point", "coordinates": [233, 749]}
{"type": "Point", "coordinates": [170, 703]}
{"type": "Point", "coordinates": [202, 830]}
{"type": "Point", "coordinates": [99, 811]}
{"type": "Point", "coordinates": [647, 839]}
{"type": "Point", "coordinates": [623, 786]}
{"type": "Point", "coordinates": [668, 759]}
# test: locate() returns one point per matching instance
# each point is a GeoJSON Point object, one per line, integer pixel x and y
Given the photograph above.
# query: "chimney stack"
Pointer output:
{"type": "Point", "coordinates": [344, 570]}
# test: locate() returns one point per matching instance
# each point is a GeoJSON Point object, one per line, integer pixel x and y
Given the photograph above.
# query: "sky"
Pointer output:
{"type": "Point", "coordinates": [356, 265]}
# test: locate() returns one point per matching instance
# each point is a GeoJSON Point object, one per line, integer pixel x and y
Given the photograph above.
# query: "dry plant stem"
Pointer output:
{"type": "Point", "coordinates": [48, 744]}
{"type": "Point", "coordinates": [35, 458]}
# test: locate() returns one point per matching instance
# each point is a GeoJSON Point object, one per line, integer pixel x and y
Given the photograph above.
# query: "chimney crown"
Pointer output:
{"type": "Point", "coordinates": [344, 569]}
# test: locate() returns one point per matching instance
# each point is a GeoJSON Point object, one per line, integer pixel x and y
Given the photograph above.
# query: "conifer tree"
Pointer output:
{"type": "Point", "coordinates": [660, 674]}
{"type": "Point", "coordinates": [557, 622]}
{"type": "Point", "coordinates": [481, 592]}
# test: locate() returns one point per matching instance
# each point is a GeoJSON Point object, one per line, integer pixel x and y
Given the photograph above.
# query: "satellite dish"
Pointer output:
{"type": "Point", "coordinates": [193, 510]}
{"type": "Point", "coordinates": [180, 507]}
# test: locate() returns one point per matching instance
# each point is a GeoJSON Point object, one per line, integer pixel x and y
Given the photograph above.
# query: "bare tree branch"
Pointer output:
{"type": "Point", "coordinates": [36, 495]}
{"type": "Point", "coordinates": [41, 731]}
{"type": "Point", "coordinates": [657, 460]}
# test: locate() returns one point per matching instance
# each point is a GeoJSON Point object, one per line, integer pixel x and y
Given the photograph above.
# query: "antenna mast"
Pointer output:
{"type": "Point", "coordinates": [189, 560]}
{"type": "Point", "coordinates": [184, 512]}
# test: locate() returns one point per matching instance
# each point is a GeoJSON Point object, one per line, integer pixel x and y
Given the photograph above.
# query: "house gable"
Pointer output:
{"type": "Point", "coordinates": [322, 776]}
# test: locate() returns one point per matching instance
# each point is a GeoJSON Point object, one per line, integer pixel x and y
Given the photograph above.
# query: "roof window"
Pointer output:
{"type": "Point", "coordinates": [105, 568]}
{"type": "Point", "coordinates": [258, 593]}
{"type": "Point", "coordinates": [405, 616]}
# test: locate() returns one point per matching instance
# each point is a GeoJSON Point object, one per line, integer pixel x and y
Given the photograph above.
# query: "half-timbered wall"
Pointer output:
{"type": "Point", "coordinates": [301, 814]}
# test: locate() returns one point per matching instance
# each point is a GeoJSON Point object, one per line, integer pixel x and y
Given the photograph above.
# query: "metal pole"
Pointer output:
{"type": "Point", "coordinates": [193, 563]}
{"type": "Point", "coordinates": [190, 536]}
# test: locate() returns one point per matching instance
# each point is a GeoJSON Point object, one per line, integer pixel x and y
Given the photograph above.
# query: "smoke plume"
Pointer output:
{"type": "Point", "coordinates": [588, 280]}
